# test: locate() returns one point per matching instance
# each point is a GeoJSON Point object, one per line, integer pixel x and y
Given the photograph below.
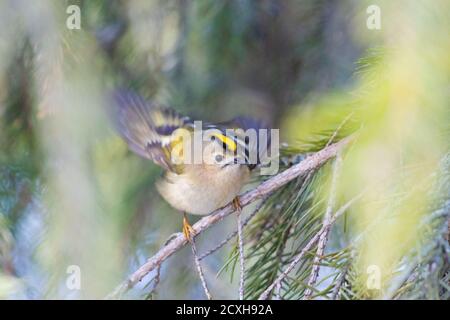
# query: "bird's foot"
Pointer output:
{"type": "Point", "coordinates": [237, 204]}
{"type": "Point", "coordinates": [188, 231]}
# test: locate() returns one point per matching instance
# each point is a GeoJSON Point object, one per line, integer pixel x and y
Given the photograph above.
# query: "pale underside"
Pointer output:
{"type": "Point", "coordinates": [201, 189]}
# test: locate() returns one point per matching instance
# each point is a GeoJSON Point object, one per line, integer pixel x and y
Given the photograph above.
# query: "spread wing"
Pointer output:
{"type": "Point", "coordinates": [147, 128]}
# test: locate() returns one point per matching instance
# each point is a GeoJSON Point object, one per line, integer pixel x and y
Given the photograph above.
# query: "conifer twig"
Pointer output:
{"type": "Point", "coordinates": [278, 291]}
{"type": "Point", "coordinates": [241, 254]}
{"type": "Point", "coordinates": [306, 248]}
{"type": "Point", "coordinates": [339, 284]}
{"type": "Point", "coordinates": [324, 236]}
{"type": "Point", "coordinates": [341, 125]}
{"type": "Point", "coordinates": [234, 233]}
{"type": "Point", "coordinates": [200, 270]}
{"type": "Point", "coordinates": [156, 279]}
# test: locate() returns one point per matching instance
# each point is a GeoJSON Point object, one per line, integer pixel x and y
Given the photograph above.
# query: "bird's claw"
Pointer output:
{"type": "Point", "coordinates": [188, 231]}
{"type": "Point", "coordinates": [237, 204]}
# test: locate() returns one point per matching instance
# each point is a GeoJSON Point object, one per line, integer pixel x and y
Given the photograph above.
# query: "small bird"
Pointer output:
{"type": "Point", "coordinates": [198, 188]}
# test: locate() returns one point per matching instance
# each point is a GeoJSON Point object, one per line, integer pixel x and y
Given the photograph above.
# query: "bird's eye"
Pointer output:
{"type": "Point", "coordinates": [219, 158]}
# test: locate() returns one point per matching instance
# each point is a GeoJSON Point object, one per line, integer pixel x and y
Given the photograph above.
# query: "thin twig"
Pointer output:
{"type": "Point", "coordinates": [200, 270]}
{"type": "Point", "coordinates": [241, 254]}
{"type": "Point", "coordinates": [311, 162]}
{"type": "Point", "coordinates": [324, 236]}
{"type": "Point", "coordinates": [220, 245]}
{"type": "Point", "coordinates": [278, 291]}
{"type": "Point", "coordinates": [156, 279]}
{"type": "Point", "coordinates": [306, 248]}
{"type": "Point", "coordinates": [339, 284]}
{"type": "Point", "coordinates": [235, 232]}
{"type": "Point", "coordinates": [341, 125]}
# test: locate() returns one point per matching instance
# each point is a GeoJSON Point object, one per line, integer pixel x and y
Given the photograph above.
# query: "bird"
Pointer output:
{"type": "Point", "coordinates": [156, 132]}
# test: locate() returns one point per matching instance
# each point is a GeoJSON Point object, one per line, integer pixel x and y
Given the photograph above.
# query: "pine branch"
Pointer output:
{"type": "Point", "coordinates": [339, 283]}
{"type": "Point", "coordinates": [234, 233]}
{"type": "Point", "coordinates": [310, 163]}
{"type": "Point", "coordinates": [155, 281]}
{"type": "Point", "coordinates": [307, 247]}
{"type": "Point", "coordinates": [278, 291]}
{"type": "Point", "coordinates": [200, 270]}
{"type": "Point", "coordinates": [241, 255]}
{"type": "Point", "coordinates": [324, 237]}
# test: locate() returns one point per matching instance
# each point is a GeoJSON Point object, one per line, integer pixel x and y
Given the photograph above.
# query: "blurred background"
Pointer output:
{"type": "Point", "coordinates": [71, 194]}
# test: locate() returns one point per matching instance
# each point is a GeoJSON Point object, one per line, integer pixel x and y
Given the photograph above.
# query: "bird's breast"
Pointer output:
{"type": "Point", "coordinates": [201, 190]}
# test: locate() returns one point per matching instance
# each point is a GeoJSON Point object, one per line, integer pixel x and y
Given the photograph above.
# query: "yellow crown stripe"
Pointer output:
{"type": "Point", "coordinates": [228, 141]}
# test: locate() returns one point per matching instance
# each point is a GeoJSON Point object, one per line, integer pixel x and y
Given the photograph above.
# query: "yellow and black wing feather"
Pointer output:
{"type": "Point", "coordinates": [146, 127]}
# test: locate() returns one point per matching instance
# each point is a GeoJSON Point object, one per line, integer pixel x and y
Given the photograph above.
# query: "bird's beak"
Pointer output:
{"type": "Point", "coordinates": [229, 161]}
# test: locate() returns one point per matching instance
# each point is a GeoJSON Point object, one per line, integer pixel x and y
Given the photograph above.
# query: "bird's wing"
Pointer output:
{"type": "Point", "coordinates": [147, 128]}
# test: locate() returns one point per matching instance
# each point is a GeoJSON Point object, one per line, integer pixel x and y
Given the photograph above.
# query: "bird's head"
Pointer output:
{"type": "Point", "coordinates": [221, 151]}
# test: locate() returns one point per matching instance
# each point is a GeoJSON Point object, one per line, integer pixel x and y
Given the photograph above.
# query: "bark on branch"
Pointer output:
{"type": "Point", "coordinates": [312, 162]}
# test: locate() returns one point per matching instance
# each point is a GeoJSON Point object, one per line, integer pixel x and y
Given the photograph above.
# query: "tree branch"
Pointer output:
{"type": "Point", "coordinates": [324, 237]}
{"type": "Point", "coordinates": [307, 247]}
{"type": "Point", "coordinates": [234, 233]}
{"type": "Point", "coordinates": [312, 162]}
{"type": "Point", "coordinates": [241, 255]}
{"type": "Point", "coordinates": [199, 270]}
{"type": "Point", "coordinates": [339, 284]}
